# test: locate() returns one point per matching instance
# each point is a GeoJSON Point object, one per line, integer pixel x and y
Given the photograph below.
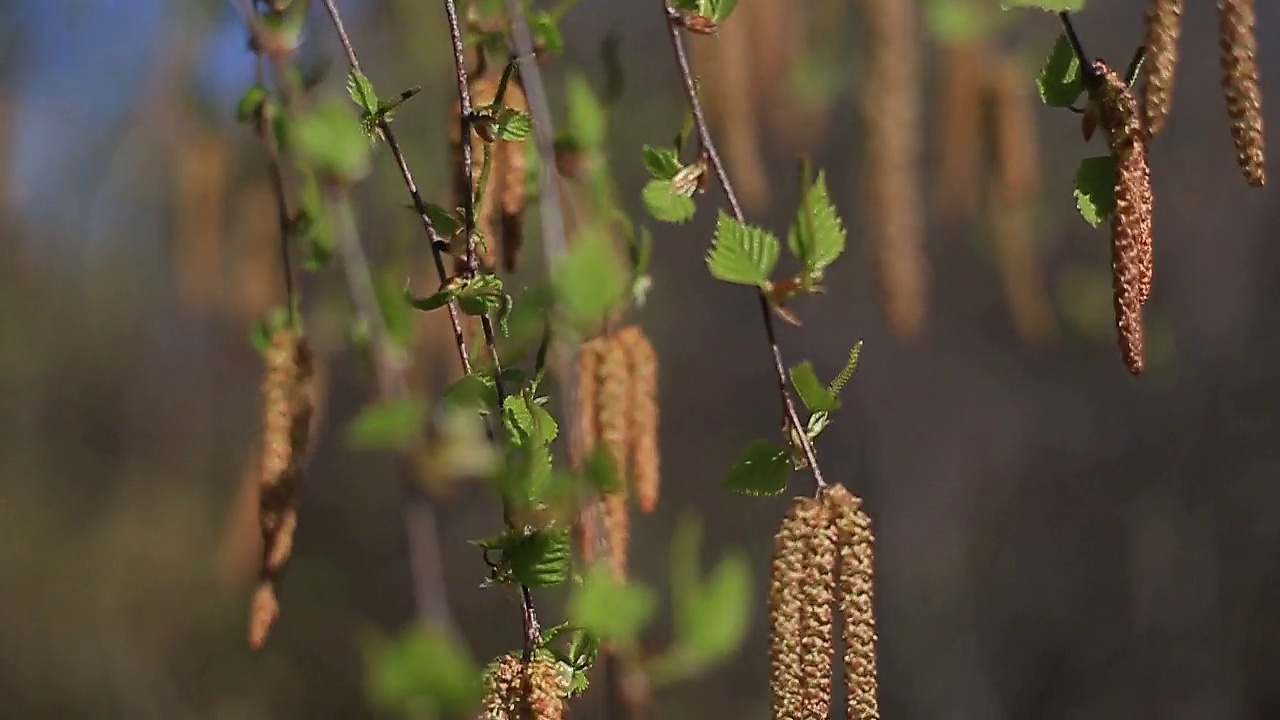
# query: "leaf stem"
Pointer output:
{"type": "Point", "coordinates": [1086, 65]}
{"type": "Point", "coordinates": [675, 27]}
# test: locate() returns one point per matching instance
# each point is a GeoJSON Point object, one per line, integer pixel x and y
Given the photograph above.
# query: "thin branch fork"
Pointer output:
{"type": "Point", "coordinates": [676, 27]}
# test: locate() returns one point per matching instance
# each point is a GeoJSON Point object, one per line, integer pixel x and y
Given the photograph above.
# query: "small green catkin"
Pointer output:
{"type": "Point", "coordinates": [1238, 44]}
{"type": "Point", "coordinates": [1164, 24]}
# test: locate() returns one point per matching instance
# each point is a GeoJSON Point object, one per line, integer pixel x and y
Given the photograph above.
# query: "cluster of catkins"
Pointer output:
{"type": "Point", "coordinates": [618, 411]}
{"type": "Point", "coordinates": [518, 690]}
{"type": "Point", "coordinates": [822, 558]}
{"type": "Point", "coordinates": [1129, 124]}
{"type": "Point", "coordinates": [288, 403]}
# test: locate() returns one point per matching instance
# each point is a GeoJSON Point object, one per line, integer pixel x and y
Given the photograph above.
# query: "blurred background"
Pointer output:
{"type": "Point", "coordinates": [1056, 538]}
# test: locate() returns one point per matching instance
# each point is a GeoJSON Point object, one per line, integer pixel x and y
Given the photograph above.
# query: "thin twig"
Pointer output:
{"type": "Point", "coordinates": [284, 215]}
{"type": "Point", "coordinates": [675, 26]}
{"type": "Point", "coordinates": [438, 244]}
{"type": "Point", "coordinates": [1086, 65]}
{"type": "Point", "coordinates": [532, 632]}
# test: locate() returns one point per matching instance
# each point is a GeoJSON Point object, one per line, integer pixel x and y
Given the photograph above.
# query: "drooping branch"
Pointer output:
{"type": "Point", "coordinates": [795, 429]}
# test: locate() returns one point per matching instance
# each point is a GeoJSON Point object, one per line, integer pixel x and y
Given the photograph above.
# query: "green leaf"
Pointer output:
{"type": "Point", "coordinates": [719, 10]}
{"type": "Point", "coordinates": [817, 237]}
{"type": "Point", "coordinates": [541, 559]}
{"type": "Point", "coordinates": [612, 610]}
{"type": "Point", "coordinates": [514, 125]}
{"type": "Point", "coordinates": [761, 470]}
{"type": "Point", "coordinates": [812, 392]}
{"type": "Point", "coordinates": [664, 204]}
{"type": "Point", "coordinates": [1060, 81]}
{"type": "Point", "coordinates": [712, 622]}
{"type": "Point", "coordinates": [1096, 189]}
{"type": "Point", "coordinates": [1048, 5]}
{"type": "Point", "coordinates": [331, 139]}
{"type": "Point", "coordinates": [590, 281]}
{"type": "Point", "coordinates": [387, 425]}
{"type": "Point", "coordinates": [437, 299]}
{"type": "Point", "coordinates": [585, 120]}
{"type": "Point", "coordinates": [663, 162]}
{"type": "Point", "coordinates": [483, 295]}
{"type": "Point", "coordinates": [546, 32]}
{"type": "Point", "coordinates": [742, 254]}
{"type": "Point", "coordinates": [476, 391]}
{"type": "Point", "coordinates": [446, 222]}
{"type": "Point", "coordinates": [422, 672]}
{"type": "Point", "coordinates": [250, 102]}
{"type": "Point", "coordinates": [362, 93]}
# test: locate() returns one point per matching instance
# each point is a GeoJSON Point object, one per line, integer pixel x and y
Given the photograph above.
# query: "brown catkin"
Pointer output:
{"type": "Point", "coordinates": [1239, 45]}
{"type": "Point", "coordinates": [1131, 223]}
{"type": "Point", "coordinates": [815, 626]}
{"type": "Point", "coordinates": [515, 690]}
{"type": "Point", "coordinates": [1164, 24]}
{"type": "Point", "coordinates": [613, 419]}
{"type": "Point", "coordinates": [786, 610]}
{"type": "Point", "coordinates": [891, 113]}
{"type": "Point", "coordinates": [582, 440]}
{"type": "Point", "coordinates": [855, 596]}
{"type": "Point", "coordinates": [1017, 183]}
{"type": "Point", "coordinates": [642, 444]}
{"type": "Point", "coordinates": [959, 127]}
{"type": "Point", "coordinates": [801, 594]}
{"type": "Point", "coordinates": [289, 400]}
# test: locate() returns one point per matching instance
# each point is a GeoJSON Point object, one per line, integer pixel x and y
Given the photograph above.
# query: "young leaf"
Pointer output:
{"type": "Point", "coordinates": [665, 205]}
{"type": "Point", "coordinates": [811, 390]}
{"type": "Point", "coordinates": [1096, 189]}
{"type": "Point", "coordinates": [719, 10]}
{"type": "Point", "coordinates": [250, 102]}
{"type": "Point", "coordinates": [585, 118]}
{"type": "Point", "coordinates": [446, 222]}
{"type": "Point", "coordinates": [424, 667]}
{"type": "Point", "coordinates": [663, 162]}
{"type": "Point", "coordinates": [387, 425]}
{"type": "Point", "coordinates": [331, 139]}
{"type": "Point", "coordinates": [1060, 81]}
{"type": "Point", "coordinates": [546, 32]}
{"type": "Point", "coordinates": [476, 391]}
{"type": "Point", "coordinates": [362, 93]}
{"type": "Point", "coordinates": [590, 280]}
{"type": "Point", "coordinates": [712, 622]}
{"type": "Point", "coordinates": [761, 470]}
{"type": "Point", "coordinates": [1048, 5]}
{"type": "Point", "coordinates": [742, 254]}
{"type": "Point", "coordinates": [612, 610]}
{"type": "Point", "coordinates": [514, 125]}
{"type": "Point", "coordinates": [541, 559]}
{"type": "Point", "coordinates": [817, 237]}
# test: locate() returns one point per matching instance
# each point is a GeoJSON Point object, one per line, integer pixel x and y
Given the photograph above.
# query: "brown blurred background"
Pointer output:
{"type": "Point", "coordinates": [1056, 538]}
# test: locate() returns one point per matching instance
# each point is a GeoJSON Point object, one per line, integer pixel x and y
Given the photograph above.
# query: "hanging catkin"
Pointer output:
{"type": "Point", "coordinates": [642, 444]}
{"type": "Point", "coordinates": [1131, 223]}
{"type": "Point", "coordinates": [891, 113]}
{"type": "Point", "coordinates": [1017, 184]}
{"type": "Point", "coordinates": [288, 404]}
{"type": "Point", "coordinates": [613, 417]}
{"type": "Point", "coordinates": [515, 690]}
{"type": "Point", "coordinates": [855, 595]}
{"type": "Point", "coordinates": [1164, 24]}
{"type": "Point", "coordinates": [801, 593]}
{"type": "Point", "coordinates": [959, 128]}
{"type": "Point", "coordinates": [1239, 45]}
{"type": "Point", "coordinates": [584, 437]}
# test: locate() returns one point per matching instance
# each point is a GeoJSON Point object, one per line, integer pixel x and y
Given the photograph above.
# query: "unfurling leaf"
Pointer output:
{"type": "Point", "coordinates": [666, 205]}
{"type": "Point", "coordinates": [514, 125]}
{"type": "Point", "coordinates": [1060, 81]}
{"type": "Point", "coordinates": [761, 470]}
{"type": "Point", "coordinates": [540, 559]}
{"type": "Point", "coordinates": [742, 254]}
{"type": "Point", "coordinates": [812, 392]}
{"type": "Point", "coordinates": [546, 32]}
{"type": "Point", "coordinates": [663, 162]}
{"type": "Point", "coordinates": [817, 237]}
{"type": "Point", "coordinates": [1096, 189]}
{"type": "Point", "coordinates": [362, 93]}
